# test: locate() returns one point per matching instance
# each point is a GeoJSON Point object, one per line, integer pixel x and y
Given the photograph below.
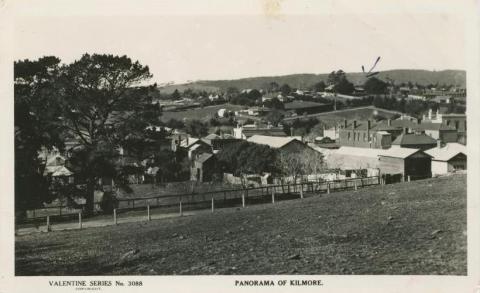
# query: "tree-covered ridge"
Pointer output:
{"type": "Point", "coordinates": [307, 80]}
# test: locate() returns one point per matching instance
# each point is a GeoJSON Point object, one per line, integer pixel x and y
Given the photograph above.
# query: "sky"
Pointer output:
{"type": "Point", "coordinates": [183, 47]}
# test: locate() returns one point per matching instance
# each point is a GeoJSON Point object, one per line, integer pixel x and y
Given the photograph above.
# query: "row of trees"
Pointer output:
{"type": "Point", "coordinates": [99, 101]}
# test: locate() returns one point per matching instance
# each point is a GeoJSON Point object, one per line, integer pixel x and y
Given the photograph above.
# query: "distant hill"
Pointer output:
{"type": "Point", "coordinates": [305, 80]}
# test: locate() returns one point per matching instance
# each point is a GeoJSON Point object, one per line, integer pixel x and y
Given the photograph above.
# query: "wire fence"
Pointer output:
{"type": "Point", "coordinates": [180, 203]}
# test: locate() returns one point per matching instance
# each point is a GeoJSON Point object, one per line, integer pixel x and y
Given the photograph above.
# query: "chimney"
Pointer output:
{"type": "Point", "coordinates": [389, 122]}
{"type": "Point", "coordinates": [405, 130]}
{"type": "Point", "coordinates": [419, 121]}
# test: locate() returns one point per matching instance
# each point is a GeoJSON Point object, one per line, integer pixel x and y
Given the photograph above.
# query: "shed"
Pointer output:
{"type": "Point", "coordinates": [450, 158]}
{"type": "Point", "coordinates": [408, 162]}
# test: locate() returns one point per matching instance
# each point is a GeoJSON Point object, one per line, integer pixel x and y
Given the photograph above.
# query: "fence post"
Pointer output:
{"type": "Point", "coordinates": [328, 187]}
{"type": "Point", "coordinates": [408, 178]}
{"type": "Point", "coordinates": [80, 220]}
{"type": "Point", "coordinates": [243, 199]}
{"type": "Point", "coordinates": [181, 211]}
{"type": "Point", "coordinates": [115, 216]}
{"type": "Point", "coordinates": [355, 182]}
{"type": "Point", "coordinates": [273, 195]}
{"type": "Point", "coordinates": [301, 190]}
{"type": "Point", "coordinates": [49, 228]}
{"type": "Point", "coordinates": [213, 205]}
{"type": "Point", "coordinates": [149, 218]}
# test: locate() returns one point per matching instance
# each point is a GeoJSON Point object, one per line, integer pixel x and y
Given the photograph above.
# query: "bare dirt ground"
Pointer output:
{"type": "Point", "coordinates": [408, 228]}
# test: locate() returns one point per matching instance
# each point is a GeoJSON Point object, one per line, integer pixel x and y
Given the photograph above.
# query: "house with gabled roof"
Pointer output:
{"type": "Point", "coordinates": [403, 162]}
{"type": "Point", "coordinates": [203, 168]}
{"type": "Point", "coordinates": [415, 140]}
{"type": "Point", "coordinates": [450, 158]}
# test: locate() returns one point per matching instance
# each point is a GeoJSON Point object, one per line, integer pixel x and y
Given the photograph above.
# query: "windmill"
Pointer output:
{"type": "Point", "coordinates": [371, 73]}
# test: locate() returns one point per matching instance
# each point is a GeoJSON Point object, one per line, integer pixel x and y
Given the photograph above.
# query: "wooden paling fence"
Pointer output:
{"type": "Point", "coordinates": [179, 203]}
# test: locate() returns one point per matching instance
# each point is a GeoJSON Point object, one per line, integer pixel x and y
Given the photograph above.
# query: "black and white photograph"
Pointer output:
{"type": "Point", "coordinates": [288, 143]}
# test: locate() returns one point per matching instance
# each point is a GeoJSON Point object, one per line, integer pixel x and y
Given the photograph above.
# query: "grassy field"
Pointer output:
{"type": "Point", "coordinates": [198, 113]}
{"type": "Point", "coordinates": [408, 228]}
{"type": "Point", "coordinates": [360, 113]}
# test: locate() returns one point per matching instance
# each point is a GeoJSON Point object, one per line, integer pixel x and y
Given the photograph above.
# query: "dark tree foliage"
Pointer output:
{"type": "Point", "coordinates": [170, 167]}
{"type": "Point", "coordinates": [274, 117]}
{"type": "Point", "coordinates": [300, 126]}
{"type": "Point", "coordinates": [96, 101]}
{"type": "Point", "coordinates": [413, 108]}
{"type": "Point", "coordinates": [246, 158]}
{"type": "Point", "coordinates": [196, 128]}
{"type": "Point", "coordinates": [365, 101]}
{"type": "Point", "coordinates": [374, 86]}
{"type": "Point", "coordinates": [175, 95]}
{"type": "Point", "coordinates": [285, 89]}
{"type": "Point", "coordinates": [242, 99]}
{"type": "Point", "coordinates": [175, 124]}
{"type": "Point", "coordinates": [37, 124]}
{"type": "Point", "coordinates": [319, 86]}
{"type": "Point", "coordinates": [247, 99]}
{"type": "Point", "coordinates": [274, 104]}
{"type": "Point", "coordinates": [340, 82]}
{"type": "Point", "coordinates": [272, 87]}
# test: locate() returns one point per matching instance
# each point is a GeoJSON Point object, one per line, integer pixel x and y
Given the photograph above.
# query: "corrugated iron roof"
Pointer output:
{"type": "Point", "coordinates": [272, 141]}
{"type": "Point", "coordinates": [412, 138]}
{"type": "Point", "coordinates": [398, 152]}
{"type": "Point", "coordinates": [446, 153]}
{"type": "Point", "coordinates": [394, 152]}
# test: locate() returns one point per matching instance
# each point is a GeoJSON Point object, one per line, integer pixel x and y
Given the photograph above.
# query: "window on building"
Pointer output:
{"type": "Point", "coordinates": [348, 135]}
{"type": "Point", "coordinates": [456, 124]}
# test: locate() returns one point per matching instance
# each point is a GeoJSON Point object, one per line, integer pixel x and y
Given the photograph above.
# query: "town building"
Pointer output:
{"type": "Point", "coordinates": [457, 121]}
{"type": "Point", "coordinates": [450, 158]}
{"type": "Point", "coordinates": [218, 142]}
{"type": "Point", "coordinates": [290, 144]}
{"type": "Point", "coordinates": [275, 142]}
{"type": "Point", "coordinates": [245, 132]}
{"type": "Point", "coordinates": [361, 134]}
{"type": "Point", "coordinates": [203, 168]}
{"type": "Point", "coordinates": [395, 161]}
{"type": "Point", "coordinates": [415, 140]}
